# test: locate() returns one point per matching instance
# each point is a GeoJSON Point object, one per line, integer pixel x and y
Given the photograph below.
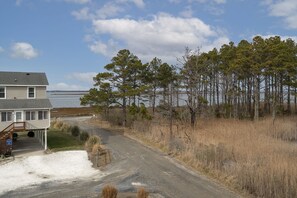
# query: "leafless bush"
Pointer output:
{"type": "Point", "coordinates": [93, 140]}
{"type": "Point", "coordinates": [142, 193]}
{"type": "Point", "coordinates": [109, 192]}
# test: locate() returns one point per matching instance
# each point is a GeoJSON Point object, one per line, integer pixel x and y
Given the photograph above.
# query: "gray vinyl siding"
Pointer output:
{"type": "Point", "coordinates": [30, 124]}
{"type": "Point", "coordinates": [41, 92]}
{"type": "Point", "coordinates": [21, 92]}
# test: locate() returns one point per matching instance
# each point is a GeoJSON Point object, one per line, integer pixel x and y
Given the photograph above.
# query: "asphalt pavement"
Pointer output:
{"type": "Point", "coordinates": [133, 166]}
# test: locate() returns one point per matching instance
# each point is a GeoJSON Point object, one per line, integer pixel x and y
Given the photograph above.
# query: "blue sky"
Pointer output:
{"type": "Point", "coordinates": [72, 40]}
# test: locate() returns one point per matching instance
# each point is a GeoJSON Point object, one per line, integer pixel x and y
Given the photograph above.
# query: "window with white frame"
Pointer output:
{"type": "Point", "coordinates": [30, 115]}
{"type": "Point", "coordinates": [42, 115]}
{"type": "Point", "coordinates": [2, 92]}
{"type": "Point", "coordinates": [31, 92]}
{"type": "Point", "coordinates": [6, 116]}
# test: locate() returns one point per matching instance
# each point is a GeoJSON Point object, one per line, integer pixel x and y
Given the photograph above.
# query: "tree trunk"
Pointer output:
{"type": "Point", "coordinates": [266, 98]}
{"type": "Point", "coordinates": [295, 100]}
{"type": "Point", "coordinates": [124, 112]}
{"type": "Point", "coordinates": [257, 98]}
{"type": "Point", "coordinates": [289, 100]}
{"type": "Point", "coordinates": [193, 118]}
{"type": "Point", "coordinates": [218, 92]}
{"type": "Point", "coordinates": [274, 104]}
{"type": "Point", "coordinates": [249, 98]}
{"type": "Point", "coordinates": [154, 100]}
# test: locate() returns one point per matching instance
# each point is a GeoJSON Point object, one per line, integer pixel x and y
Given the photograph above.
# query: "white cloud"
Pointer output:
{"type": "Point", "coordinates": [78, 1]}
{"type": "Point", "coordinates": [209, 1]}
{"type": "Point", "coordinates": [108, 10]}
{"type": "Point", "coordinates": [286, 9]}
{"type": "Point", "coordinates": [83, 14]}
{"type": "Point", "coordinates": [220, 1]}
{"type": "Point", "coordinates": [164, 36]}
{"type": "Point", "coordinates": [1, 49]}
{"type": "Point", "coordinates": [187, 12]}
{"type": "Point", "coordinates": [106, 49]}
{"type": "Point", "coordinates": [214, 7]}
{"type": "Point", "coordinates": [23, 50]}
{"type": "Point", "coordinates": [174, 1]}
{"type": "Point", "coordinates": [65, 86]}
{"type": "Point", "coordinates": [138, 3]}
{"type": "Point", "coordinates": [215, 10]}
{"type": "Point", "coordinates": [83, 77]}
{"type": "Point", "coordinates": [18, 2]}
{"type": "Point", "coordinates": [99, 47]}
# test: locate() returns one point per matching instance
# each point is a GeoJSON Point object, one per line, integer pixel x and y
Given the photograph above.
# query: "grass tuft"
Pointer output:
{"type": "Point", "coordinates": [109, 192]}
{"type": "Point", "coordinates": [142, 193]}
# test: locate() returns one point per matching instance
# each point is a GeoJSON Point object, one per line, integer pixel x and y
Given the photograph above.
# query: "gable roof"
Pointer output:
{"type": "Point", "coordinates": [13, 104]}
{"type": "Point", "coordinates": [22, 78]}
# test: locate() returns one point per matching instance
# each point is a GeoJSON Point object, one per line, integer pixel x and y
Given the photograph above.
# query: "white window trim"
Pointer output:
{"type": "Point", "coordinates": [30, 116]}
{"type": "Point", "coordinates": [4, 92]}
{"type": "Point", "coordinates": [43, 113]}
{"type": "Point", "coordinates": [28, 93]}
{"type": "Point", "coordinates": [6, 116]}
{"type": "Point", "coordinates": [15, 118]}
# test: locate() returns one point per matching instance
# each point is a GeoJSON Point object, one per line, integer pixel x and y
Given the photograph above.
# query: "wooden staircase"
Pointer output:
{"type": "Point", "coordinates": [7, 133]}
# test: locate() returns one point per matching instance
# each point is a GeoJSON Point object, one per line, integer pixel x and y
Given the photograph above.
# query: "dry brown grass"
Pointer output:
{"type": "Point", "coordinates": [109, 192]}
{"type": "Point", "coordinates": [93, 142]}
{"type": "Point", "coordinates": [142, 193]}
{"type": "Point", "coordinates": [257, 157]}
{"type": "Point", "coordinates": [81, 111]}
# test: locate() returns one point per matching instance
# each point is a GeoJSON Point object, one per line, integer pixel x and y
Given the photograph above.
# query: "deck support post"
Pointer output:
{"type": "Point", "coordinates": [45, 139]}
{"type": "Point", "coordinates": [42, 143]}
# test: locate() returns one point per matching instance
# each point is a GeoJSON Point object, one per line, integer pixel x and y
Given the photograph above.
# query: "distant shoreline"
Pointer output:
{"type": "Point", "coordinates": [67, 91]}
{"type": "Point", "coordinates": [60, 92]}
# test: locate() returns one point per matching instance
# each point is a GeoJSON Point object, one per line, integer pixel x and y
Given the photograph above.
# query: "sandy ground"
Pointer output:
{"type": "Point", "coordinates": [33, 170]}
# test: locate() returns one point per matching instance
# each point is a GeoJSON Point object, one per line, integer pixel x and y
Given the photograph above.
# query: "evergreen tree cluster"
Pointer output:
{"type": "Point", "coordinates": [244, 81]}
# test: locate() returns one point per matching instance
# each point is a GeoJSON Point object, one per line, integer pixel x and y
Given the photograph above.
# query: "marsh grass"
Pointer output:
{"type": "Point", "coordinates": [255, 157]}
{"type": "Point", "coordinates": [109, 191]}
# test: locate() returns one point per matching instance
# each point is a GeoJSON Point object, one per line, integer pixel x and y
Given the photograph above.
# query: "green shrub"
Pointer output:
{"type": "Point", "coordinates": [75, 131]}
{"type": "Point", "coordinates": [84, 136]}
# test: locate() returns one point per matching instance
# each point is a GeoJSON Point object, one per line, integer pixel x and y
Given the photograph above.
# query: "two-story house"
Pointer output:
{"type": "Point", "coordinates": [24, 105]}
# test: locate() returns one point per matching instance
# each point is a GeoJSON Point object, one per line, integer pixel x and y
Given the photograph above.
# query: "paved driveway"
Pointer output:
{"type": "Point", "coordinates": [140, 165]}
{"type": "Point", "coordinates": [133, 165]}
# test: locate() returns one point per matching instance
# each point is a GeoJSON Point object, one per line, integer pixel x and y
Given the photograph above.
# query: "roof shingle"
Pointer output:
{"type": "Point", "coordinates": [22, 78]}
{"type": "Point", "coordinates": [13, 104]}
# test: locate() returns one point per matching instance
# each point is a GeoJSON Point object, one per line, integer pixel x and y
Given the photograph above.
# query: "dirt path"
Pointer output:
{"type": "Point", "coordinates": [133, 165]}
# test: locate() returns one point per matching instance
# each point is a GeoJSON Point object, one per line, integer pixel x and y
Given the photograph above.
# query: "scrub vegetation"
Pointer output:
{"type": "Point", "coordinates": [229, 112]}
{"type": "Point", "coordinates": [62, 136]}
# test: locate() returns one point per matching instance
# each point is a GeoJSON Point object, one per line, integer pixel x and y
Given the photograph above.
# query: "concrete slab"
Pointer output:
{"type": "Point", "coordinates": [27, 146]}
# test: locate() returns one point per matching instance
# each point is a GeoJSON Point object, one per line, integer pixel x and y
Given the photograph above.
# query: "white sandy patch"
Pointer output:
{"type": "Point", "coordinates": [31, 170]}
